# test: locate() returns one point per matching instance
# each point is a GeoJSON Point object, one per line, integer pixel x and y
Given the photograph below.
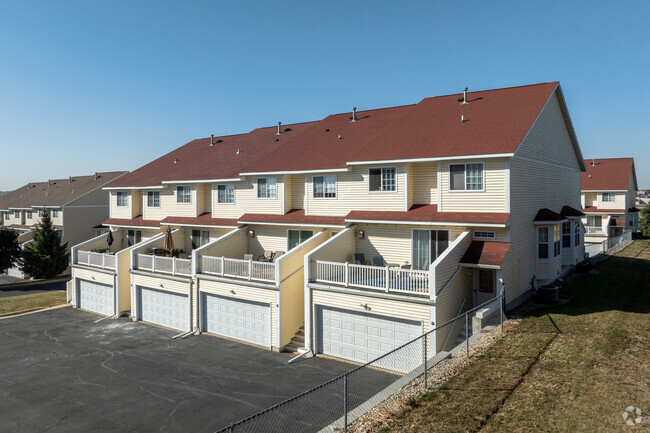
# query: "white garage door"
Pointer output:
{"type": "Point", "coordinates": [235, 318]}
{"type": "Point", "coordinates": [163, 308]}
{"type": "Point", "coordinates": [95, 297]}
{"type": "Point", "coordinates": [362, 337]}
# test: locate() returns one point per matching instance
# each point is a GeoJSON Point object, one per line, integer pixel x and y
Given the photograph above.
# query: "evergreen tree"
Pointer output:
{"type": "Point", "coordinates": [45, 257]}
{"type": "Point", "coordinates": [9, 248]}
{"type": "Point", "coordinates": [644, 221]}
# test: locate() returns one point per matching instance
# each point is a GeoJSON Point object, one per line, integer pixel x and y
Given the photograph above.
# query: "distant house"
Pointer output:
{"type": "Point", "coordinates": [608, 198]}
{"type": "Point", "coordinates": [76, 205]}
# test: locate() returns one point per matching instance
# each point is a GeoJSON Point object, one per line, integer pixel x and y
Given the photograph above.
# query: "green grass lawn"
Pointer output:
{"type": "Point", "coordinates": [25, 302]}
{"type": "Point", "coordinates": [568, 368]}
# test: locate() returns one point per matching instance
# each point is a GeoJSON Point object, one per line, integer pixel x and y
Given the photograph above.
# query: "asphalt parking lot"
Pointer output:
{"type": "Point", "coordinates": [61, 372]}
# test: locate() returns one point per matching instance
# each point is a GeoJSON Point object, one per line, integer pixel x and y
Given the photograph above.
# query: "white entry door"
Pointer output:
{"type": "Point", "coordinates": [163, 308]}
{"type": "Point", "coordinates": [236, 318]}
{"type": "Point", "coordinates": [96, 297]}
{"type": "Point", "coordinates": [362, 337]}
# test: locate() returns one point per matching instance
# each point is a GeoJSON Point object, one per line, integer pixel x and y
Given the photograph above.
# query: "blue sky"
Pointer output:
{"type": "Point", "coordinates": [94, 86]}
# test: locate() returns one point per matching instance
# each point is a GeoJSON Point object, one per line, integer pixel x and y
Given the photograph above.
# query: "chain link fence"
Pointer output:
{"type": "Point", "coordinates": [333, 405]}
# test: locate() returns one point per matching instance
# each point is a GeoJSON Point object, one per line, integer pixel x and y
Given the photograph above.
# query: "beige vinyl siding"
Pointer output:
{"type": "Point", "coordinates": [297, 191]}
{"type": "Point", "coordinates": [340, 249]}
{"type": "Point", "coordinates": [207, 199]}
{"type": "Point", "coordinates": [33, 220]}
{"type": "Point", "coordinates": [246, 200]}
{"type": "Point", "coordinates": [234, 245]}
{"type": "Point", "coordinates": [448, 305]}
{"type": "Point", "coordinates": [215, 233]}
{"type": "Point", "coordinates": [125, 212]}
{"type": "Point", "coordinates": [352, 193]}
{"type": "Point", "coordinates": [93, 276]}
{"type": "Point", "coordinates": [136, 202]}
{"type": "Point", "coordinates": [168, 205]}
{"type": "Point", "coordinates": [288, 191]}
{"type": "Point", "coordinates": [589, 199]}
{"type": "Point", "coordinates": [124, 279]}
{"type": "Point", "coordinates": [618, 203]}
{"type": "Point", "coordinates": [272, 238]}
{"type": "Point", "coordinates": [493, 199]}
{"type": "Point", "coordinates": [266, 296]}
{"type": "Point", "coordinates": [200, 199]}
{"type": "Point", "coordinates": [386, 307]}
{"type": "Point", "coordinates": [423, 180]}
{"type": "Point", "coordinates": [58, 221]}
{"type": "Point", "coordinates": [534, 186]}
{"type": "Point", "coordinates": [549, 139]}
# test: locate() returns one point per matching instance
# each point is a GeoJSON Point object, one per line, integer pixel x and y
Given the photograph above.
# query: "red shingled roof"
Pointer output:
{"type": "Point", "coordinates": [619, 222]}
{"type": "Point", "coordinates": [594, 209]}
{"type": "Point", "coordinates": [485, 253]}
{"type": "Point", "coordinates": [610, 174]}
{"type": "Point", "coordinates": [294, 216]}
{"type": "Point", "coordinates": [135, 222]}
{"type": "Point", "coordinates": [428, 214]}
{"type": "Point", "coordinates": [197, 160]}
{"type": "Point", "coordinates": [205, 219]}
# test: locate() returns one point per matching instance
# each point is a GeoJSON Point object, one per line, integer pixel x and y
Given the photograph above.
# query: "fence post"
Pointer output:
{"type": "Point", "coordinates": [345, 403]}
{"type": "Point", "coordinates": [467, 333]}
{"type": "Point", "coordinates": [426, 355]}
{"type": "Point", "coordinates": [346, 277]}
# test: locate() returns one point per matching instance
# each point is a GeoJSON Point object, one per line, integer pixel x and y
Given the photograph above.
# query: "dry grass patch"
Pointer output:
{"type": "Point", "coordinates": [14, 304]}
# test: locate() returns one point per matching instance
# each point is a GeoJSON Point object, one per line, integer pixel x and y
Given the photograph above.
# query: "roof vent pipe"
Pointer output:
{"type": "Point", "coordinates": [593, 162]}
{"type": "Point", "coordinates": [70, 179]}
{"type": "Point", "coordinates": [464, 95]}
{"type": "Point", "coordinates": [279, 125]}
{"type": "Point", "coordinates": [354, 114]}
{"type": "Point", "coordinates": [49, 182]}
{"type": "Point", "coordinates": [211, 139]}
{"type": "Point", "coordinates": [96, 176]}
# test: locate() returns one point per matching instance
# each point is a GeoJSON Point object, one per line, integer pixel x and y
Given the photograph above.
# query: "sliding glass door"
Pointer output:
{"type": "Point", "coordinates": [427, 246]}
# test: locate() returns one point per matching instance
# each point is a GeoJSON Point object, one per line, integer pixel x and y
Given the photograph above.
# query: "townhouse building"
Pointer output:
{"type": "Point", "coordinates": [77, 206]}
{"type": "Point", "coordinates": [608, 197]}
{"type": "Point", "coordinates": [351, 235]}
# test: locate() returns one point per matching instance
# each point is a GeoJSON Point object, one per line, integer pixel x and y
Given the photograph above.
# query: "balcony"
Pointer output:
{"type": "Point", "coordinates": [95, 253]}
{"type": "Point", "coordinates": [594, 230]}
{"type": "Point", "coordinates": [382, 278]}
{"type": "Point", "coordinates": [162, 264]}
{"type": "Point", "coordinates": [95, 259]}
{"type": "Point", "coordinates": [251, 270]}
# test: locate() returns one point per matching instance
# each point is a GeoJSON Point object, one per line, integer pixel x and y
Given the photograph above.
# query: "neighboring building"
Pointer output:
{"type": "Point", "coordinates": [76, 205]}
{"type": "Point", "coordinates": [351, 235]}
{"type": "Point", "coordinates": [608, 198]}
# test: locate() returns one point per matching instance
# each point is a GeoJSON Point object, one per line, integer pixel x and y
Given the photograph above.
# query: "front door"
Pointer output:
{"type": "Point", "coordinates": [486, 283]}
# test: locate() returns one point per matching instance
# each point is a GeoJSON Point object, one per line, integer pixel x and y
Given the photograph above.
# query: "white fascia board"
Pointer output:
{"type": "Point", "coordinates": [433, 159]}
{"type": "Point", "coordinates": [607, 211]}
{"type": "Point", "coordinates": [201, 225]}
{"type": "Point", "coordinates": [478, 265]}
{"type": "Point", "coordinates": [265, 173]}
{"type": "Point", "coordinates": [425, 223]}
{"type": "Point", "coordinates": [126, 188]}
{"type": "Point", "coordinates": [19, 208]}
{"type": "Point", "coordinates": [234, 179]}
{"type": "Point", "coordinates": [133, 227]}
{"type": "Point", "coordinates": [603, 190]}
{"type": "Point", "coordinates": [259, 223]}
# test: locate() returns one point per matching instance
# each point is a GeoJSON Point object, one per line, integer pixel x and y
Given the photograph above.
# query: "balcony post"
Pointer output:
{"type": "Point", "coordinates": [223, 267]}
{"type": "Point", "coordinates": [387, 279]}
{"type": "Point", "coordinates": [173, 265]}
{"type": "Point", "coordinates": [103, 261]}
{"type": "Point", "coordinates": [250, 269]}
{"type": "Point", "coordinates": [153, 263]}
{"type": "Point", "coordinates": [346, 276]}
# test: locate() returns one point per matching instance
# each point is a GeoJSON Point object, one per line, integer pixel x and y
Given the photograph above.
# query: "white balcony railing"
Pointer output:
{"type": "Point", "coordinates": [371, 277]}
{"type": "Point", "coordinates": [238, 268]}
{"type": "Point", "coordinates": [165, 265]}
{"type": "Point", "coordinates": [98, 260]}
{"type": "Point", "coordinates": [594, 230]}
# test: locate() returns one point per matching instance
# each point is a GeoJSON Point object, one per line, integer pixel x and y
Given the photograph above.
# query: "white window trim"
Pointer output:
{"type": "Point", "coordinates": [147, 199]}
{"type": "Point", "coordinates": [117, 198]}
{"type": "Point", "coordinates": [550, 254]}
{"type": "Point", "coordinates": [336, 187]}
{"type": "Point", "coordinates": [609, 194]}
{"type": "Point", "coordinates": [177, 196]}
{"type": "Point", "coordinates": [380, 180]}
{"type": "Point", "coordinates": [449, 241]}
{"type": "Point", "coordinates": [257, 188]}
{"type": "Point", "coordinates": [475, 236]}
{"type": "Point", "coordinates": [234, 195]}
{"type": "Point", "coordinates": [57, 213]}
{"type": "Point", "coordinates": [465, 171]}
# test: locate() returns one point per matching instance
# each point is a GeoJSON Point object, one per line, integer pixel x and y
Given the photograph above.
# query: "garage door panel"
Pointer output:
{"type": "Point", "coordinates": [96, 297]}
{"type": "Point", "coordinates": [163, 308]}
{"type": "Point", "coordinates": [362, 336]}
{"type": "Point", "coordinates": [237, 318]}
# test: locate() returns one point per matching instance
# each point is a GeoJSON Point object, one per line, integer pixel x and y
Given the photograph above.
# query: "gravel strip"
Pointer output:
{"type": "Point", "coordinates": [381, 415]}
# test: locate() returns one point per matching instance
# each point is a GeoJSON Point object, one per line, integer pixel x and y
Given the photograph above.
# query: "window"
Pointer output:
{"type": "Point", "coordinates": [566, 234]}
{"type": "Point", "coordinates": [296, 237]}
{"type": "Point", "coordinates": [577, 232]}
{"type": "Point", "coordinates": [427, 245]}
{"type": "Point", "coordinates": [122, 199]}
{"type": "Point", "coordinates": [184, 194]}
{"type": "Point", "coordinates": [267, 187]}
{"type": "Point", "coordinates": [486, 280]}
{"type": "Point", "coordinates": [556, 239]}
{"type": "Point", "coordinates": [542, 243]}
{"type": "Point", "coordinates": [7, 216]}
{"type": "Point", "coordinates": [466, 177]}
{"type": "Point", "coordinates": [17, 214]}
{"type": "Point", "coordinates": [55, 213]}
{"type": "Point", "coordinates": [133, 237]}
{"type": "Point", "coordinates": [226, 193]}
{"type": "Point", "coordinates": [630, 223]}
{"type": "Point", "coordinates": [324, 186]}
{"type": "Point", "coordinates": [609, 196]}
{"type": "Point", "coordinates": [30, 214]}
{"type": "Point", "coordinates": [99, 232]}
{"type": "Point", "coordinates": [595, 221]}
{"type": "Point", "coordinates": [200, 238]}
{"type": "Point", "coordinates": [153, 198]}
{"type": "Point", "coordinates": [382, 179]}
{"type": "Point", "coordinates": [40, 213]}
{"type": "Point", "coordinates": [484, 235]}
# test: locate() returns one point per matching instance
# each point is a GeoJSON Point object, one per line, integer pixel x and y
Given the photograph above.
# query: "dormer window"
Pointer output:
{"type": "Point", "coordinates": [466, 177]}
